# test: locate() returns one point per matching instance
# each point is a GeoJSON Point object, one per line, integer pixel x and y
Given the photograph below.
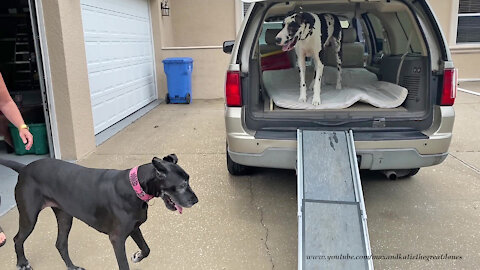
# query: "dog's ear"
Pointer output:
{"type": "Point", "coordinates": [171, 158]}
{"type": "Point", "coordinates": [158, 164]}
{"type": "Point", "coordinates": [299, 18]}
{"type": "Point", "coordinates": [306, 18]}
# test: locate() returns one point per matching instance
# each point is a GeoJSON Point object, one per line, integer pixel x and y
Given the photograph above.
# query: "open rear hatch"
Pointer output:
{"type": "Point", "coordinates": [385, 50]}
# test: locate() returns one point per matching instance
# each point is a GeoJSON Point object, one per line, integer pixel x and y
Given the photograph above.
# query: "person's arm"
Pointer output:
{"type": "Point", "coordinates": [11, 112]}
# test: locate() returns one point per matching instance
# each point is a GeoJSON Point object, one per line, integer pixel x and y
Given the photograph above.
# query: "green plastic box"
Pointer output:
{"type": "Point", "coordinates": [40, 141]}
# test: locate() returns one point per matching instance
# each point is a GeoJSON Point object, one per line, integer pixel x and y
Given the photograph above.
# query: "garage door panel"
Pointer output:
{"type": "Point", "coordinates": [105, 53]}
{"type": "Point", "coordinates": [120, 63]}
{"type": "Point", "coordinates": [109, 110]}
{"type": "Point", "coordinates": [119, 50]}
{"type": "Point", "coordinates": [120, 27]}
{"type": "Point", "coordinates": [120, 90]}
{"type": "Point", "coordinates": [115, 80]}
{"type": "Point", "coordinates": [130, 7]}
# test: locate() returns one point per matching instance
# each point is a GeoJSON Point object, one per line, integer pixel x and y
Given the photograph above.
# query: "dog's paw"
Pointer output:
{"type": "Point", "coordinates": [339, 86]}
{"type": "Point", "coordinates": [24, 267]}
{"type": "Point", "coordinates": [316, 102]}
{"type": "Point", "coordinates": [137, 257]}
{"type": "Point", "coordinates": [302, 99]}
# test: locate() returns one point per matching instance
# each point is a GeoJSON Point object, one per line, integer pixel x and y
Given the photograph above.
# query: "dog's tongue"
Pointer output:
{"type": "Point", "coordinates": [179, 208]}
{"type": "Point", "coordinates": [290, 45]}
{"type": "Point", "coordinates": [286, 47]}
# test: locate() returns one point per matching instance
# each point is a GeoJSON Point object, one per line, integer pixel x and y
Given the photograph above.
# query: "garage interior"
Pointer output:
{"type": "Point", "coordinates": [18, 63]}
{"type": "Point", "coordinates": [19, 68]}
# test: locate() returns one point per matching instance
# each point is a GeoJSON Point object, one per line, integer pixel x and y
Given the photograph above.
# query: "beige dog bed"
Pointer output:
{"type": "Point", "coordinates": [358, 85]}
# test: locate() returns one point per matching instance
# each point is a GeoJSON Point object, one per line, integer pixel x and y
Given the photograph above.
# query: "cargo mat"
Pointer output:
{"type": "Point", "coordinates": [358, 85]}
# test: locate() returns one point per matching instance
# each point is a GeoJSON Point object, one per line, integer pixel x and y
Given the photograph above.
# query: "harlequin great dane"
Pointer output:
{"type": "Point", "coordinates": [113, 202]}
{"type": "Point", "coordinates": [309, 34]}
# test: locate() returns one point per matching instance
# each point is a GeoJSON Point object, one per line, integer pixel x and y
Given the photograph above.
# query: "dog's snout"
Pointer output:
{"type": "Point", "coordinates": [278, 40]}
{"type": "Point", "coordinates": [194, 200]}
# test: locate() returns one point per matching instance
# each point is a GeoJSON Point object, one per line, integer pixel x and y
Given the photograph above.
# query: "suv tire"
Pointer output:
{"type": "Point", "coordinates": [235, 168]}
{"type": "Point", "coordinates": [412, 172]}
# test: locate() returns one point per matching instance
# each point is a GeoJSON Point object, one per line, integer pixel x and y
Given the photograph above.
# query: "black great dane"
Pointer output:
{"type": "Point", "coordinates": [111, 201]}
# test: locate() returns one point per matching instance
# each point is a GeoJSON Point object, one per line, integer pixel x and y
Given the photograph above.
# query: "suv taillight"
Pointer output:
{"type": "Point", "coordinates": [233, 90]}
{"type": "Point", "coordinates": [449, 93]}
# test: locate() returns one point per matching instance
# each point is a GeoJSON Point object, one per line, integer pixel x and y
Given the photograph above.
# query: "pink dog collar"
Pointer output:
{"type": "Point", "coordinates": [136, 185]}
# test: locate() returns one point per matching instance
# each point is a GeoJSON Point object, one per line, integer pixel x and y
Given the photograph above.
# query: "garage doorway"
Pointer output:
{"type": "Point", "coordinates": [22, 69]}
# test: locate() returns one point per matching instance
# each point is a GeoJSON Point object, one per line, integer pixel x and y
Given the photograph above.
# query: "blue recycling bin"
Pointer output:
{"type": "Point", "coordinates": [179, 79]}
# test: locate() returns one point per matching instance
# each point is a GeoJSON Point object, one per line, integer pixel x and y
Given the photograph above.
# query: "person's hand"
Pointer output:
{"type": "Point", "coordinates": [27, 137]}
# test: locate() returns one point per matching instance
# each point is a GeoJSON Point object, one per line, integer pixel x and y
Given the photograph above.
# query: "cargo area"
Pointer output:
{"type": "Point", "coordinates": [387, 68]}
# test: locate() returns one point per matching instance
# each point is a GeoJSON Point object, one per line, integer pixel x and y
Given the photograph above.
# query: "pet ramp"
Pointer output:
{"type": "Point", "coordinates": [332, 221]}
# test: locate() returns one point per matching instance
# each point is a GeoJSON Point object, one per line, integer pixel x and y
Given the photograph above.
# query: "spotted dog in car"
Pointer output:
{"type": "Point", "coordinates": [309, 34]}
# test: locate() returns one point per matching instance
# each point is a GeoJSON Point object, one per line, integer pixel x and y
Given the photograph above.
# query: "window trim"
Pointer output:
{"type": "Point", "coordinates": [468, 14]}
{"type": "Point", "coordinates": [461, 47]}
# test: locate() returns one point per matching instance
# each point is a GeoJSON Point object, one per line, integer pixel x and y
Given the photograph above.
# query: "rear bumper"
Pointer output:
{"type": "Point", "coordinates": [245, 149]}
{"type": "Point", "coordinates": [284, 158]}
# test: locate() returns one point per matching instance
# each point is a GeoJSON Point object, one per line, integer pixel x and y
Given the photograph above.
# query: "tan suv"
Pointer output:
{"type": "Point", "coordinates": [399, 41]}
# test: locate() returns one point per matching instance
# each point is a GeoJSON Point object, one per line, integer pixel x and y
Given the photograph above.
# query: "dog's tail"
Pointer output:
{"type": "Point", "coordinates": [16, 166]}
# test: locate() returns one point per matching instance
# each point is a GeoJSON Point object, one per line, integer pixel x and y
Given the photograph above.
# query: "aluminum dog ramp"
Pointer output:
{"type": "Point", "coordinates": [332, 221]}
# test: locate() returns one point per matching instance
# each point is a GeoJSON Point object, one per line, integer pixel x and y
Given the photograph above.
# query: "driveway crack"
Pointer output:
{"type": "Point", "coordinates": [267, 232]}
{"type": "Point", "coordinates": [466, 164]}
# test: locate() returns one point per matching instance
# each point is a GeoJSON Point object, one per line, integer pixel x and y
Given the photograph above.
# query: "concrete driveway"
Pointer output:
{"type": "Point", "coordinates": [250, 222]}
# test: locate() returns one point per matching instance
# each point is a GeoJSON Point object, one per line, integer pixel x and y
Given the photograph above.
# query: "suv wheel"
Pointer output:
{"type": "Point", "coordinates": [235, 168]}
{"type": "Point", "coordinates": [412, 172]}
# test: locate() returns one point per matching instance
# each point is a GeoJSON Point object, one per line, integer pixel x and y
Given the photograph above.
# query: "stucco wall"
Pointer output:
{"type": "Point", "coordinates": [200, 23]}
{"type": "Point", "coordinates": [467, 64]}
{"type": "Point", "coordinates": [443, 11]}
{"type": "Point", "coordinates": [64, 33]}
{"type": "Point", "coordinates": [195, 29]}
{"type": "Point", "coordinates": [465, 56]}
{"type": "Point", "coordinates": [157, 43]}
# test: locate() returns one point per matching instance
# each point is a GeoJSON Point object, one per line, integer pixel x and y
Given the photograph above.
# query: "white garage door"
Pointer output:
{"type": "Point", "coordinates": [119, 48]}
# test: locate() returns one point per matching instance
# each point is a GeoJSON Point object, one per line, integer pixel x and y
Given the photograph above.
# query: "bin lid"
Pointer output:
{"type": "Point", "coordinates": [177, 60]}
